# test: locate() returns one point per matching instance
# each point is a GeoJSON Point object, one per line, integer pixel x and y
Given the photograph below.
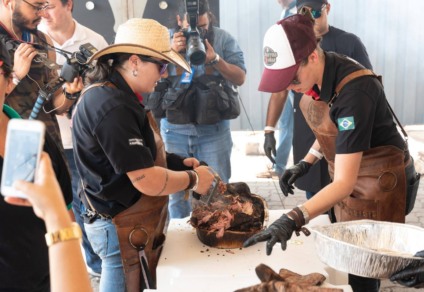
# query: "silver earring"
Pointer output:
{"type": "Point", "coordinates": [135, 73]}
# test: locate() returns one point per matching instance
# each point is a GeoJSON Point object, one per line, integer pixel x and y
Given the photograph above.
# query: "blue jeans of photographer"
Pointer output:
{"type": "Point", "coordinates": [285, 136]}
{"type": "Point", "coordinates": [209, 143]}
{"type": "Point", "coordinates": [103, 238]}
{"type": "Point", "coordinates": [92, 259]}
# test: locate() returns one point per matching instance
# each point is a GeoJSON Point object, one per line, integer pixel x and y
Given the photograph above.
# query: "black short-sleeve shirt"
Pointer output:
{"type": "Point", "coordinates": [24, 264]}
{"type": "Point", "coordinates": [111, 136]}
{"type": "Point", "coordinates": [360, 112]}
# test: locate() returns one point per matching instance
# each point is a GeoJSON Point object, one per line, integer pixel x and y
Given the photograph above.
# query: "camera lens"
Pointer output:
{"type": "Point", "coordinates": [196, 52]}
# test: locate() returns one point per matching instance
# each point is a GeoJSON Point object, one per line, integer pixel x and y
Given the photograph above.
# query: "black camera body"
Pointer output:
{"type": "Point", "coordinates": [74, 67]}
{"type": "Point", "coordinates": [77, 63]}
{"type": "Point", "coordinates": [196, 52]}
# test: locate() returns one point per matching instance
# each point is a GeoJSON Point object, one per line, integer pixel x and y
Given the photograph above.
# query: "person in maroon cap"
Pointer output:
{"type": "Point", "coordinates": [332, 39]}
{"type": "Point", "coordinates": [354, 131]}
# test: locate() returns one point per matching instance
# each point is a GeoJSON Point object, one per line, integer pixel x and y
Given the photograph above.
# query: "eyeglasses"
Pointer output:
{"type": "Point", "coordinates": [39, 8]}
{"type": "Point", "coordinates": [315, 13]}
{"type": "Point", "coordinates": [162, 65]}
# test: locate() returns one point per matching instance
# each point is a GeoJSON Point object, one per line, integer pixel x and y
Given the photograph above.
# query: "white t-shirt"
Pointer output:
{"type": "Point", "coordinates": [82, 35]}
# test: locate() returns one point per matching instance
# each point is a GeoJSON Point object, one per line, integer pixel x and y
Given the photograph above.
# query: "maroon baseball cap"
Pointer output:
{"type": "Point", "coordinates": [286, 44]}
{"type": "Point", "coordinates": [314, 4]}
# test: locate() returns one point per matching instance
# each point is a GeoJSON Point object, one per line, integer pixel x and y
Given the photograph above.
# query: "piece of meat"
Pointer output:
{"type": "Point", "coordinates": [313, 279]}
{"type": "Point", "coordinates": [287, 281]}
{"type": "Point", "coordinates": [272, 286]}
{"type": "Point", "coordinates": [266, 274]}
{"type": "Point", "coordinates": [285, 274]}
{"type": "Point", "coordinates": [230, 211]}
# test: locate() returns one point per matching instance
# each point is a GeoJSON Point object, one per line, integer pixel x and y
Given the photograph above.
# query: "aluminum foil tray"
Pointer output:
{"type": "Point", "coordinates": [369, 248]}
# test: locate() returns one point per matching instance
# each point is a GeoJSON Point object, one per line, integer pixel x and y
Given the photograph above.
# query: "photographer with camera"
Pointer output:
{"type": "Point", "coordinates": [67, 34]}
{"type": "Point", "coordinates": [33, 63]}
{"type": "Point", "coordinates": [187, 130]}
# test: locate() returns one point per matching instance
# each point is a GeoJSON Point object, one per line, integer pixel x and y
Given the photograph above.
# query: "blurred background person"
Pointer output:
{"type": "Point", "coordinates": [280, 106]}
{"type": "Point", "coordinates": [33, 64]}
{"type": "Point", "coordinates": [211, 143]}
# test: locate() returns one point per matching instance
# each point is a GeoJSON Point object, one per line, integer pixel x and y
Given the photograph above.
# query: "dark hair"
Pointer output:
{"type": "Point", "coordinates": [105, 66]}
{"type": "Point", "coordinates": [203, 8]}
{"type": "Point", "coordinates": [64, 2]}
{"type": "Point", "coordinates": [5, 60]}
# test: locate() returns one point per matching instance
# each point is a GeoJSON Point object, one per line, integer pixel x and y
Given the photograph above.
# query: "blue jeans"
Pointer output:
{"type": "Point", "coordinates": [309, 194]}
{"type": "Point", "coordinates": [285, 136]}
{"type": "Point", "coordinates": [93, 260]}
{"type": "Point", "coordinates": [104, 240]}
{"type": "Point", "coordinates": [214, 149]}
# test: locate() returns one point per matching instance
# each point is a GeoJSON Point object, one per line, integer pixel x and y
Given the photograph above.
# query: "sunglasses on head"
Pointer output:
{"type": "Point", "coordinates": [162, 64]}
{"type": "Point", "coordinates": [315, 13]}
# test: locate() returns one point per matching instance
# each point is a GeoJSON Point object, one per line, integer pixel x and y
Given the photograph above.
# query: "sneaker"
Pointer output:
{"type": "Point", "coordinates": [268, 174]}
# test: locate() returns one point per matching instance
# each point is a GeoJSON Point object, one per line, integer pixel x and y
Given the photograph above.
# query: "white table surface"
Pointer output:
{"type": "Point", "coordinates": [186, 264]}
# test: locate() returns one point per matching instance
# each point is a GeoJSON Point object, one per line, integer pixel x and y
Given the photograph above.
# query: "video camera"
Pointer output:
{"type": "Point", "coordinates": [196, 52]}
{"type": "Point", "coordinates": [77, 63]}
{"type": "Point", "coordinates": [74, 66]}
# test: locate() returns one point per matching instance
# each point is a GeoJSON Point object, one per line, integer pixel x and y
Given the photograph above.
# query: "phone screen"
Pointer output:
{"type": "Point", "coordinates": [23, 147]}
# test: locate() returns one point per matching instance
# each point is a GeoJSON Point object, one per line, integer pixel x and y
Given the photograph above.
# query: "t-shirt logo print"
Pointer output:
{"type": "Point", "coordinates": [136, 141]}
{"type": "Point", "coordinates": [270, 56]}
{"type": "Point", "coordinates": [347, 123]}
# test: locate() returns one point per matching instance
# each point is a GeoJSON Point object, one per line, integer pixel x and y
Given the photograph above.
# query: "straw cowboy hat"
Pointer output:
{"type": "Point", "coordinates": [144, 37]}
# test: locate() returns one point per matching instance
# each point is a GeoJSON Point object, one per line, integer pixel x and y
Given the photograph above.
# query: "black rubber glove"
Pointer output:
{"type": "Point", "coordinates": [291, 175]}
{"type": "Point", "coordinates": [279, 231]}
{"type": "Point", "coordinates": [269, 146]}
{"type": "Point", "coordinates": [411, 276]}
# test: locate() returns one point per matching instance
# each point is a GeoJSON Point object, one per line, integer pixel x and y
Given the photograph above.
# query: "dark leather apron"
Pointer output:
{"type": "Point", "coordinates": [141, 228]}
{"type": "Point", "coordinates": [380, 190]}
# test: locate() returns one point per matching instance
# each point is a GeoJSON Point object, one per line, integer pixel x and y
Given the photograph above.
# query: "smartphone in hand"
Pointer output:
{"type": "Point", "coordinates": [24, 143]}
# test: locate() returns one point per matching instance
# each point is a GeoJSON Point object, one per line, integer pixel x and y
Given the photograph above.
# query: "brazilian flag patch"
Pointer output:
{"type": "Point", "coordinates": [347, 123]}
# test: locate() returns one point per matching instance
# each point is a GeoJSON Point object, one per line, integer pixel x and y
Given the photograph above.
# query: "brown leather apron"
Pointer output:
{"type": "Point", "coordinates": [141, 228]}
{"type": "Point", "coordinates": [380, 189]}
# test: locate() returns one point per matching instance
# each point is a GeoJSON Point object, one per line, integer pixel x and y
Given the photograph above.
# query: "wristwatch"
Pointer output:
{"type": "Point", "coordinates": [64, 234]}
{"type": "Point", "coordinates": [214, 61]}
{"type": "Point", "coordinates": [71, 96]}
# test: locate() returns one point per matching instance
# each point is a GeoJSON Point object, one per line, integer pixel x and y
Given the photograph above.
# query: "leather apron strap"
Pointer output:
{"type": "Point", "coordinates": [140, 228]}
{"type": "Point", "coordinates": [380, 190]}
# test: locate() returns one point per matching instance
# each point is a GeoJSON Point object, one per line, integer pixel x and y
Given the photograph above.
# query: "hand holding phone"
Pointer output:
{"type": "Point", "coordinates": [24, 143]}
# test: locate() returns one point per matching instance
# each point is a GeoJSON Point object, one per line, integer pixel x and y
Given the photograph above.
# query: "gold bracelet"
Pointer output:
{"type": "Point", "coordinates": [64, 234]}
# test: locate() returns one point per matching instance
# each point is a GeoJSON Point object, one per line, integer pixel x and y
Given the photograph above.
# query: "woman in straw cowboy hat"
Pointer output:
{"type": "Point", "coordinates": [121, 158]}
